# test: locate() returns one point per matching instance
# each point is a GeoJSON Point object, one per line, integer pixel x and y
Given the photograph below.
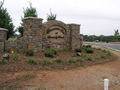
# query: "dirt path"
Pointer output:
{"type": "Point", "coordinates": [90, 78]}
{"type": "Point", "coordinates": [85, 78]}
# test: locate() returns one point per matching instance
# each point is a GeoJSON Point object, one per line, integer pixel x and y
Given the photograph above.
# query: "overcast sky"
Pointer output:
{"type": "Point", "coordinates": [95, 16]}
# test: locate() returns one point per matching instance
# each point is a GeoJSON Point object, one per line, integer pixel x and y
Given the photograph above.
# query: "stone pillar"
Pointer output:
{"type": "Point", "coordinates": [3, 37]}
{"type": "Point", "coordinates": [74, 36]}
{"type": "Point", "coordinates": [31, 25]}
{"type": "Point", "coordinates": [33, 32]}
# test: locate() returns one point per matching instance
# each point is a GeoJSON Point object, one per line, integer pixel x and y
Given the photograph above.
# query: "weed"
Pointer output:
{"type": "Point", "coordinates": [15, 57]}
{"type": "Point", "coordinates": [59, 60]}
{"type": "Point", "coordinates": [31, 61]}
{"type": "Point", "coordinates": [71, 61]}
{"type": "Point", "coordinates": [29, 53]}
{"type": "Point", "coordinates": [30, 75]}
{"type": "Point", "coordinates": [3, 61]}
{"type": "Point", "coordinates": [50, 53]}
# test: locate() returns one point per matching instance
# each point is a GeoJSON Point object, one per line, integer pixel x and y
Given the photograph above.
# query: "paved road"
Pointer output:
{"type": "Point", "coordinates": [113, 46]}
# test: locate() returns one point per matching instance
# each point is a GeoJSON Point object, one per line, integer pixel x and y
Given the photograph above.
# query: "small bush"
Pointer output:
{"type": "Point", "coordinates": [50, 53]}
{"type": "Point", "coordinates": [45, 62]}
{"type": "Point", "coordinates": [80, 60]}
{"type": "Point", "coordinates": [58, 60]}
{"type": "Point", "coordinates": [29, 76]}
{"type": "Point", "coordinates": [103, 57]}
{"type": "Point", "coordinates": [78, 50]}
{"type": "Point", "coordinates": [3, 61]}
{"type": "Point", "coordinates": [31, 61]}
{"type": "Point", "coordinates": [29, 53]}
{"type": "Point", "coordinates": [15, 57]}
{"type": "Point", "coordinates": [71, 61]}
{"type": "Point", "coordinates": [89, 58]}
{"type": "Point", "coordinates": [89, 50]}
{"type": "Point", "coordinates": [109, 53]}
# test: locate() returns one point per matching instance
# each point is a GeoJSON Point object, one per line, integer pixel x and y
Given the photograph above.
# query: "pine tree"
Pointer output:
{"type": "Point", "coordinates": [51, 16]}
{"type": "Point", "coordinates": [6, 21]}
{"type": "Point", "coordinates": [28, 12]}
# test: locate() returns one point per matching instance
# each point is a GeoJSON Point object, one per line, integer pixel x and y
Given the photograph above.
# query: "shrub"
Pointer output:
{"type": "Point", "coordinates": [103, 57]}
{"type": "Point", "coordinates": [31, 61]}
{"type": "Point", "coordinates": [50, 53]}
{"type": "Point", "coordinates": [71, 61]}
{"type": "Point", "coordinates": [15, 57]}
{"type": "Point", "coordinates": [81, 60]}
{"type": "Point", "coordinates": [46, 62]}
{"type": "Point", "coordinates": [89, 50]}
{"type": "Point", "coordinates": [59, 60]}
{"type": "Point", "coordinates": [109, 53]}
{"type": "Point", "coordinates": [87, 46]}
{"type": "Point", "coordinates": [3, 61]}
{"type": "Point", "coordinates": [30, 75]}
{"type": "Point", "coordinates": [29, 53]}
{"type": "Point", "coordinates": [78, 50]}
{"type": "Point", "coordinates": [89, 58]}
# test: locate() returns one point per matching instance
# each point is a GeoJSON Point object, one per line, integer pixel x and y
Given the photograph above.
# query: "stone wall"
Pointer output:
{"type": "Point", "coordinates": [3, 36]}
{"type": "Point", "coordinates": [40, 36]}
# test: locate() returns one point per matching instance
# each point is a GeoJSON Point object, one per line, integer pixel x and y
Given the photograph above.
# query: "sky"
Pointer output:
{"type": "Point", "coordinates": [97, 17]}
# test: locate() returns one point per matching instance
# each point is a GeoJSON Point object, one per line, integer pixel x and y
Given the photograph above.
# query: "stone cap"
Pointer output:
{"type": "Point", "coordinates": [3, 29]}
{"type": "Point", "coordinates": [32, 18]}
{"type": "Point", "coordinates": [74, 24]}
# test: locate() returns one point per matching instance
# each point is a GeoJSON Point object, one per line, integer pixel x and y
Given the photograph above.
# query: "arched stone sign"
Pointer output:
{"type": "Point", "coordinates": [56, 35]}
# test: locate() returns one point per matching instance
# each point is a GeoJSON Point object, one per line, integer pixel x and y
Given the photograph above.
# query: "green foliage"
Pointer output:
{"type": "Point", "coordinates": [29, 53]}
{"type": "Point", "coordinates": [46, 62]}
{"type": "Point", "coordinates": [109, 53]}
{"type": "Point", "coordinates": [30, 75]}
{"type": "Point", "coordinates": [15, 57]}
{"type": "Point", "coordinates": [78, 50]}
{"type": "Point", "coordinates": [89, 50]}
{"type": "Point", "coordinates": [103, 57]}
{"type": "Point", "coordinates": [50, 53]}
{"type": "Point", "coordinates": [59, 60]}
{"type": "Point", "coordinates": [6, 21]}
{"type": "Point", "coordinates": [28, 12]}
{"type": "Point", "coordinates": [51, 16]}
{"type": "Point", "coordinates": [3, 61]}
{"type": "Point", "coordinates": [71, 61]}
{"type": "Point", "coordinates": [31, 61]}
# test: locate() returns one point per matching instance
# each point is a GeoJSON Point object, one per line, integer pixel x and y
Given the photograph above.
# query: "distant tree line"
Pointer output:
{"type": "Point", "coordinates": [112, 38]}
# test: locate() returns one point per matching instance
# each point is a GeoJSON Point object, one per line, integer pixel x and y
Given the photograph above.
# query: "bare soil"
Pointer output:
{"type": "Point", "coordinates": [89, 77]}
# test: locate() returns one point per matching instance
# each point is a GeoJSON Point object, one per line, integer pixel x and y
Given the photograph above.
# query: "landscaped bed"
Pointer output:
{"type": "Point", "coordinates": [52, 59]}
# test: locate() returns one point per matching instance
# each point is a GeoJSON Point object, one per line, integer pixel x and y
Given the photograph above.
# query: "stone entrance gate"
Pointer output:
{"type": "Point", "coordinates": [40, 36]}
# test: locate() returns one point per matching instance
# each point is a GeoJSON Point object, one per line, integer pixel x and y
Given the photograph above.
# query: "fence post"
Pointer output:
{"type": "Point", "coordinates": [106, 84]}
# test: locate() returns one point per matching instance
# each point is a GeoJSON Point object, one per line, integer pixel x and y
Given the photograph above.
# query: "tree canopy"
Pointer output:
{"type": "Point", "coordinates": [6, 21]}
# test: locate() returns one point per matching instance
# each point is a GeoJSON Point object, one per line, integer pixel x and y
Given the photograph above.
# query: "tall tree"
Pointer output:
{"type": "Point", "coordinates": [6, 21]}
{"type": "Point", "coordinates": [28, 12]}
{"type": "Point", "coordinates": [117, 35]}
{"type": "Point", "coordinates": [51, 16]}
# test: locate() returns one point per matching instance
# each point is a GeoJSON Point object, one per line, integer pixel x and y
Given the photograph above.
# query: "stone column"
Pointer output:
{"type": "Point", "coordinates": [3, 37]}
{"type": "Point", "coordinates": [74, 36]}
{"type": "Point", "coordinates": [33, 32]}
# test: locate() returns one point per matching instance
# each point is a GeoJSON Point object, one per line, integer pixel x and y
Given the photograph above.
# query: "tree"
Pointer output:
{"type": "Point", "coordinates": [6, 21]}
{"type": "Point", "coordinates": [51, 16]}
{"type": "Point", "coordinates": [28, 12]}
{"type": "Point", "coordinates": [117, 35]}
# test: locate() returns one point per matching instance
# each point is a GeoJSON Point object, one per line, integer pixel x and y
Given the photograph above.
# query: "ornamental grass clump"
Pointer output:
{"type": "Point", "coordinates": [50, 53]}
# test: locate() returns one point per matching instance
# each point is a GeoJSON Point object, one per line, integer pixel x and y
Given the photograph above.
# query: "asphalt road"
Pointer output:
{"type": "Point", "coordinates": [113, 46]}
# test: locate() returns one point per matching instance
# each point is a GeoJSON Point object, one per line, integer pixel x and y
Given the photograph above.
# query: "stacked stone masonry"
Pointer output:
{"type": "Point", "coordinates": [40, 36]}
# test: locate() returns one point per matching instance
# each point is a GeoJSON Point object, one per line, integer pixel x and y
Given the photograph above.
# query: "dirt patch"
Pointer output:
{"type": "Point", "coordinates": [69, 77]}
